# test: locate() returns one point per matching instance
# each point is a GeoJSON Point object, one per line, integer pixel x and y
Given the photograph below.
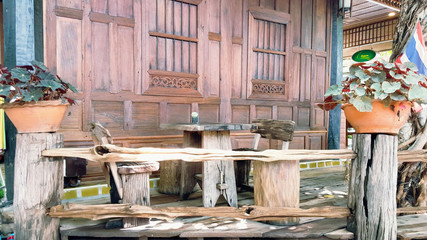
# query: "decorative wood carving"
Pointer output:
{"type": "Point", "coordinates": [175, 80]}
{"type": "Point", "coordinates": [268, 86]}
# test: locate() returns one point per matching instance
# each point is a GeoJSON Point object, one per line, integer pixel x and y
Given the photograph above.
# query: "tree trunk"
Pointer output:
{"type": "Point", "coordinates": [372, 188]}
{"type": "Point", "coordinates": [38, 186]}
{"type": "Point", "coordinates": [411, 185]}
{"type": "Point", "coordinates": [410, 11]}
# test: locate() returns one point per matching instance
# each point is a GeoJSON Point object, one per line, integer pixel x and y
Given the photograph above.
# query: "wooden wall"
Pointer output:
{"type": "Point", "coordinates": [140, 63]}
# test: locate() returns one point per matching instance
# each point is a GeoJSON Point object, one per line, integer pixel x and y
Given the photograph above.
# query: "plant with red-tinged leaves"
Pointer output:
{"type": "Point", "coordinates": [378, 80]}
{"type": "Point", "coordinates": [33, 83]}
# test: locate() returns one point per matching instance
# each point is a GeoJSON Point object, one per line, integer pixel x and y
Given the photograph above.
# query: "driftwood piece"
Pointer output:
{"type": "Point", "coordinates": [101, 136]}
{"type": "Point", "coordinates": [38, 185]}
{"type": "Point", "coordinates": [111, 153]}
{"type": "Point", "coordinates": [275, 129]}
{"type": "Point", "coordinates": [256, 213]}
{"type": "Point", "coordinates": [372, 188]}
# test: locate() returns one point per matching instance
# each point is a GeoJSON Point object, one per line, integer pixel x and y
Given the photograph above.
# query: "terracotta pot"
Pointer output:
{"type": "Point", "coordinates": [381, 119]}
{"type": "Point", "coordinates": [36, 117]}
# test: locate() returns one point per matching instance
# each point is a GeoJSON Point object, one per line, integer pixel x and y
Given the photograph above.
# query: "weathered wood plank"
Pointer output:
{"type": "Point", "coordinates": [275, 129]}
{"type": "Point", "coordinates": [315, 229]}
{"type": "Point", "coordinates": [255, 213]}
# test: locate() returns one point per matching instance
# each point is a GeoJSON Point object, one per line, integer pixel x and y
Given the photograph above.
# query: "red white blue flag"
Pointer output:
{"type": "Point", "coordinates": [415, 51]}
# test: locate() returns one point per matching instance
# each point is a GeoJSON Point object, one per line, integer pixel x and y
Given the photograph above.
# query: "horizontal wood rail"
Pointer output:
{"type": "Point", "coordinates": [112, 153]}
{"type": "Point", "coordinates": [255, 213]}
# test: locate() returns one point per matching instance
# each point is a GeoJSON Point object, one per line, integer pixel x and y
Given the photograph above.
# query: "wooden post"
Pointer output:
{"type": "Point", "coordinates": [372, 189]}
{"type": "Point", "coordinates": [38, 185]}
{"type": "Point", "coordinates": [136, 188]}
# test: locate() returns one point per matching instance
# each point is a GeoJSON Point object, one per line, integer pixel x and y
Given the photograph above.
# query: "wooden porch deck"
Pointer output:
{"type": "Point", "coordinates": [319, 187]}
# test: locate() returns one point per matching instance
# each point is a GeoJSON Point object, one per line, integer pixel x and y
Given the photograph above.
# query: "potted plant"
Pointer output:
{"type": "Point", "coordinates": [34, 98]}
{"type": "Point", "coordinates": [377, 97]}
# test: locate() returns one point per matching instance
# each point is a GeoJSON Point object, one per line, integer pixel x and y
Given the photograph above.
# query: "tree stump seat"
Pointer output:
{"type": "Point", "coordinates": [136, 187]}
{"type": "Point", "coordinates": [276, 184]}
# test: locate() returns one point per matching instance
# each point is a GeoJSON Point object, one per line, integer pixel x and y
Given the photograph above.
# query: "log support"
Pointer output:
{"type": "Point", "coordinates": [136, 189]}
{"type": "Point", "coordinates": [38, 185]}
{"type": "Point", "coordinates": [372, 189]}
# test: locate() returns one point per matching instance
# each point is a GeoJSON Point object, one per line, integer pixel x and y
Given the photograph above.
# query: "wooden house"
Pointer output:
{"type": "Point", "coordinates": [140, 63]}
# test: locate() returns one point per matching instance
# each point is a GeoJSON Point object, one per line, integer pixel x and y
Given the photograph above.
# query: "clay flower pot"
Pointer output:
{"type": "Point", "coordinates": [36, 117]}
{"type": "Point", "coordinates": [381, 119]}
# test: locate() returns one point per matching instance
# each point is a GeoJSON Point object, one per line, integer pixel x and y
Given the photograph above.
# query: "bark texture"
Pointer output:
{"type": "Point", "coordinates": [38, 186]}
{"type": "Point", "coordinates": [372, 188]}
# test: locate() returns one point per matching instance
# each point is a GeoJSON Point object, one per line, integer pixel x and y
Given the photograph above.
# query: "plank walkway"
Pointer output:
{"type": "Point", "coordinates": [319, 187]}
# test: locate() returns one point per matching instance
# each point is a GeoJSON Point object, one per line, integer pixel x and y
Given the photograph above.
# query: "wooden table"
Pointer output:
{"type": "Point", "coordinates": [218, 176]}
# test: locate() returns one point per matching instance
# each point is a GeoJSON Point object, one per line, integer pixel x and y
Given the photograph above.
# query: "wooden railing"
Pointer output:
{"type": "Point", "coordinates": [370, 33]}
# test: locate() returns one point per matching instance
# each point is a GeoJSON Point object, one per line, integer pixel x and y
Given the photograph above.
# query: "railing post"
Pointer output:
{"type": "Point", "coordinates": [372, 189]}
{"type": "Point", "coordinates": [38, 186]}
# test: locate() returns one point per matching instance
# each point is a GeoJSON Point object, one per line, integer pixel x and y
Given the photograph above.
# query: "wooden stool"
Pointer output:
{"type": "Point", "coordinates": [136, 188]}
{"type": "Point", "coordinates": [276, 184]}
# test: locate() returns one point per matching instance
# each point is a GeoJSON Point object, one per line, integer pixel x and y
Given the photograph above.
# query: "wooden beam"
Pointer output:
{"type": "Point", "coordinates": [112, 153]}
{"type": "Point", "coordinates": [173, 36]}
{"type": "Point", "coordinates": [255, 213]}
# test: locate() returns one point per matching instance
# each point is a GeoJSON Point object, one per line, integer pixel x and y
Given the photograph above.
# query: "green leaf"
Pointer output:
{"type": "Point", "coordinates": [39, 65]}
{"type": "Point", "coordinates": [362, 104]}
{"type": "Point", "coordinates": [417, 93]}
{"type": "Point", "coordinates": [380, 95]}
{"type": "Point", "coordinates": [333, 90]}
{"type": "Point", "coordinates": [71, 87]}
{"type": "Point", "coordinates": [353, 86]}
{"type": "Point", "coordinates": [411, 66]}
{"type": "Point", "coordinates": [376, 87]}
{"type": "Point", "coordinates": [388, 65]}
{"type": "Point", "coordinates": [412, 78]}
{"type": "Point", "coordinates": [21, 74]}
{"type": "Point", "coordinates": [360, 91]}
{"type": "Point", "coordinates": [390, 87]}
{"type": "Point", "coordinates": [5, 90]}
{"type": "Point", "coordinates": [54, 85]}
{"type": "Point", "coordinates": [397, 97]}
{"type": "Point", "coordinates": [33, 94]}
{"type": "Point", "coordinates": [395, 75]}
{"type": "Point", "coordinates": [46, 76]}
{"type": "Point", "coordinates": [379, 77]}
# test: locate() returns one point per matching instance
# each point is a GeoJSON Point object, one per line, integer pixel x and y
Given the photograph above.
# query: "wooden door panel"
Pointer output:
{"type": "Point", "coordinates": [145, 116]}
{"type": "Point", "coordinates": [124, 8]}
{"type": "Point", "coordinates": [284, 113]}
{"type": "Point", "coordinates": [320, 28]}
{"type": "Point", "coordinates": [303, 117]}
{"type": "Point", "coordinates": [100, 56]}
{"type": "Point", "coordinates": [69, 50]}
{"type": "Point", "coordinates": [263, 112]}
{"type": "Point", "coordinates": [126, 61]}
{"type": "Point", "coordinates": [109, 114]}
{"type": "Point", "coordinates": [178, 113]}
{"type": "Point", "coordinates": [319, 81]}
{"type": "Point", "coordinates": [240, 114]}
{"type": "Point", "coordinates": [76, 4]}
{"type": "Point", "coordinates": [306, 23]}
{"type": "Point", "coordinates": [208, 113]}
